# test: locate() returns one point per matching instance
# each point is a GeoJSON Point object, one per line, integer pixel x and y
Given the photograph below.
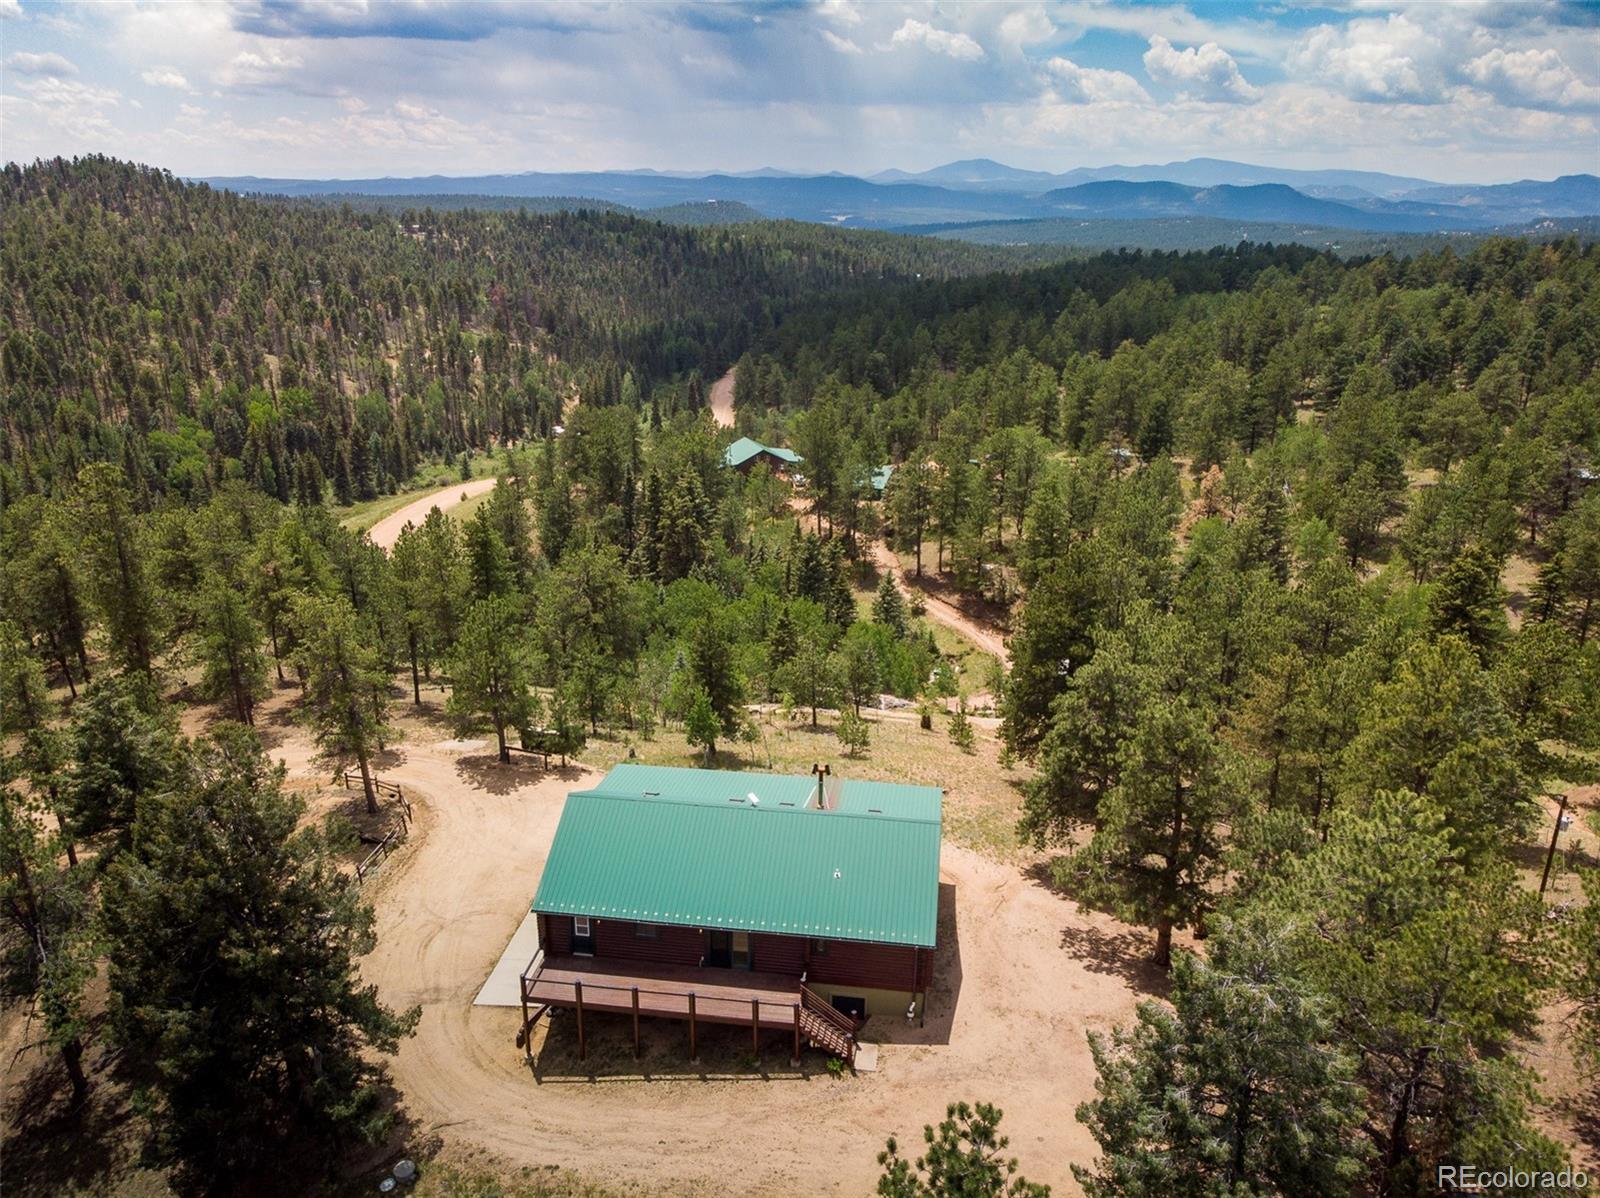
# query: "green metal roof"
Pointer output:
{"type": "Point", "coordinates": [742, 450]}
{"type": "Point", "coordinates": [880, 478]}
{"type": "Point", "coordinates": [690, 847]}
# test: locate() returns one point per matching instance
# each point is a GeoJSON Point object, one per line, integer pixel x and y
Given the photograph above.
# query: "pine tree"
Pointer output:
{"type": "Point", "coordinates": [1236, 1090]}
{"type": "Point", "coordinates": [346, 688]}
{"type": "Point", "coordinates": [233, 941]}
{"type": "Point", "coordinates": [116, 566]}
{"type": "Point", "coordinates": [1158, 847]}
{"type": "Point", "coordinates": [229, 649]}
{"type": "Point", "coordinates": [491, 669]}
{"type": "Point", "coordinates": [965, 1158]}
{"type": "Point", "coordinates": [45, 899]}
{"type": "Point", "coordinates": [889, 606]}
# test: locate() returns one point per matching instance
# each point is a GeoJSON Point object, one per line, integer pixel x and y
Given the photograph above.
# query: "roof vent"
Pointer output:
{"type": "Point", "coordinates": [755, 801]}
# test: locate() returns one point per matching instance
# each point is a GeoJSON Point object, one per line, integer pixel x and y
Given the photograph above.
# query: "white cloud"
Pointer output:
{"type": "Point", "coordinates": [249, 68]}
{"type": "Point", "coordinates": [25, 63]}
{"type": "Point", "coordinates": [1391, 60]}
{"type": "Point", "coordinates": [1025, 27]}
{"type": "Point", "coordinates": [1206, 72]}
{"type": "Point", "coordinates": [1074, 84]}
{"type": "Point", "coordinates": [166, 77]}
{"type": "Point", "coordinates": [842, 44]}
{"type": "Point", "coordinates": [842, 11]}
{"type": "Point", "coordinates": [10, 10]}
{"type": "Point", "coordinates": [940, 41]}
{"type": "Point", "coordinates": [1534, 77]}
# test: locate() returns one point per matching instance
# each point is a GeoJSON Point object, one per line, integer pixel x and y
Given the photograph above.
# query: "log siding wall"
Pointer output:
{"type": "Point", "coordinates": [839, 963]}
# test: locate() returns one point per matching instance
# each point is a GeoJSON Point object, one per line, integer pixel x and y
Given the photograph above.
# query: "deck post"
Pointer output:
{"type": "Point", "coordinates": [795, 1060]}
{"type": "Point", "coordinates": [755, 1026]}
{"type": "Point", "coordinates": [527, 1037]}
{"type": "Point", "coordinates": [577, 990]}
{"type": "Point", "coordinates": [636, 1023]}
{"type": "Point", "coordinates": [694, 1052]}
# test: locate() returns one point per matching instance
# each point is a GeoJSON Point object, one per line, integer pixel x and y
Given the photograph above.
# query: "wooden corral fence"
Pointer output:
{"type": "Point", "coordinates": [397, 832]}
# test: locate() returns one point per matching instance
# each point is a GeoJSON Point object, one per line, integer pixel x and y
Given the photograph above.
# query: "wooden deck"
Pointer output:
{"type": "Point", "coordinates": [720, 995]}
{"type": "Point", "coordinates": [759, 1001]}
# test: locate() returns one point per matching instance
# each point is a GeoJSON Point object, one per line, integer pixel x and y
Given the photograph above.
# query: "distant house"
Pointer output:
{"type": "Point", "coordinates": [775, 902]}
{"type": "Point", "coordinates": [744, 453]}
{"type": "Point", "coordinates": [880, 479]}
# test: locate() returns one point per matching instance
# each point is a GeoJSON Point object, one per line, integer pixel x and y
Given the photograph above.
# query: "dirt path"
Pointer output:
{"type": "Point", "coordinates": [941, 612]}
{"type": "Point", "coordinates": [721, 400]}
{"type": "Point", "coordinates": [385, 531]}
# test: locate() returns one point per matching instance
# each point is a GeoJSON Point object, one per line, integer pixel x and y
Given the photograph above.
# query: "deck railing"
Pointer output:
{"type": "Point", "coordinates": [837, 1031]}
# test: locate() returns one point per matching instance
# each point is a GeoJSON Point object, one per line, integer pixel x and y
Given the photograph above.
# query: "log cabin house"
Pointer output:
{"type": "Point", "coordinates": [793, 904]}
{"type": "Point", "coordinates": [744, 453]}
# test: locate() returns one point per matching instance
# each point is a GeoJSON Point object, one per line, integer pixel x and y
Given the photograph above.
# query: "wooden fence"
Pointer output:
{"type": "Point", "coordinates": [351, 780]}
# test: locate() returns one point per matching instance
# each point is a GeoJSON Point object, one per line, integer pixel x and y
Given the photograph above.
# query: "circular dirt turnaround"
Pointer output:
{"type": "Point", "coordinates": [1020, 975]}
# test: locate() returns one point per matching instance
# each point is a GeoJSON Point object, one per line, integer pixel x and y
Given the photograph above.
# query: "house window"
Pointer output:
{"type": "Point", "coordinates": [646, 931]}
{"type": "Point", "coordinates": [819, 948]}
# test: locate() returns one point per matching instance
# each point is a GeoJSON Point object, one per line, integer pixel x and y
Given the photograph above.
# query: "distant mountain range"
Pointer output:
{"type": "Point", "coordinates": [982, 190]}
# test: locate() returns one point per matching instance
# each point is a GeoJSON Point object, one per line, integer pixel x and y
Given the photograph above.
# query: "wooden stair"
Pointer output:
{"type": "Point", "coordinates": [827, 1028]}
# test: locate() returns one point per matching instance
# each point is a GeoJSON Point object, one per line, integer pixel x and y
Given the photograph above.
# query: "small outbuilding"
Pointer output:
{"type": "Point", "coordinates": [772, 901]}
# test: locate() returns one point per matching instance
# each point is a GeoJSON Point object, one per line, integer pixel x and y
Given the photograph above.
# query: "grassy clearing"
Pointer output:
{"type": "Point", "coordinates": [982, 800]}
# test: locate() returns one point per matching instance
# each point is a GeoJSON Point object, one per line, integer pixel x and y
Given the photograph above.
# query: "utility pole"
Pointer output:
{"type": "Point", "coordinates": [1555, 834]}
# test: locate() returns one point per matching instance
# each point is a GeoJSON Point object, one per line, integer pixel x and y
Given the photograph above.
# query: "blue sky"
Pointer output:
{"type": "Point", "coordinates": [1477, 90]}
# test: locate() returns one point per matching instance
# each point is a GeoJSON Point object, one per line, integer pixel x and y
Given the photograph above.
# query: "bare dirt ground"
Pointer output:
{"type": "Point", "coordinates": [721, 400]}
{"type": "Point", "coordinates": [1022, 973]}
{"type": "Point", "coordinates": [385, 531]}
{"type": "Point", "coordinates": [940, 612]}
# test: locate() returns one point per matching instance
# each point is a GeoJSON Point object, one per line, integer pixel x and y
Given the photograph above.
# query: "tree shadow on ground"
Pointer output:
{"type": "Point", "coordinates": [52, 1145]}
{"type": "Point", "coordinates": [485, 771]}
{"type": "Point", "coordinates": [1116, 951]}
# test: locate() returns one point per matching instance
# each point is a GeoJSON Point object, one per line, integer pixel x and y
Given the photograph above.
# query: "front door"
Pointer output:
{"type": "Point", "coordinates": [582, 936]}
{"type": "Point", "coordinates": [719, 949]}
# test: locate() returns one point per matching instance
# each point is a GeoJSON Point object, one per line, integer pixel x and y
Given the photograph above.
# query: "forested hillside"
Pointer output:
{"type": "Point", "coordinates": [192, 334]}
{"type": "Point", "coordinates": [1298, 559]}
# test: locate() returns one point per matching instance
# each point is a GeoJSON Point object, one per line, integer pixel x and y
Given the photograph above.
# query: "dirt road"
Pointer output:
{"type": "Point", "coordinates": [941, 612]}
{"type": "Point", "coordinates": [721, 400]}
{"type": "Point", "coordinates": [385, 531]}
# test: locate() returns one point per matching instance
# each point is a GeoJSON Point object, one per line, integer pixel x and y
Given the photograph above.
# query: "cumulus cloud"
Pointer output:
{"type": "Point", "coordinates": [940, 41]}
{"type": "Point", "coordinates": [1205, 72]}
{"type": "Point", "coordinates": [1090, 85]}
{"type": "Point", "coordinates": [1393, 59]}
{"type": "Point", "coordinates": [1025, 27]}
{"type": "Point", "coordinates": [25, 63]}
{"type": "Point", "coordinates": [165, 77]}
{"type": "Point", "coordinates": [1532, 77]}
{"type": "Point", "coordinates": [10, 10]}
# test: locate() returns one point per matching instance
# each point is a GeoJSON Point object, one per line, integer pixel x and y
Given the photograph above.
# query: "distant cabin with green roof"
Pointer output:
{"type": "Point", "coordinates": [744, 453]}
{"type": "Point", "coordinates": [785, 891]}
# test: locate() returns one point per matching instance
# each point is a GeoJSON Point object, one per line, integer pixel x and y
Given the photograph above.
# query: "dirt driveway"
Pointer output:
{"type": "Point", "coordinates": [386, 531]}
{"type": "Point", "coordinates": [1021, 974]}
{"type": "Point", "coordinates": [940, 612]}
{"type": "Point", "coordinates": [720, 399]}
